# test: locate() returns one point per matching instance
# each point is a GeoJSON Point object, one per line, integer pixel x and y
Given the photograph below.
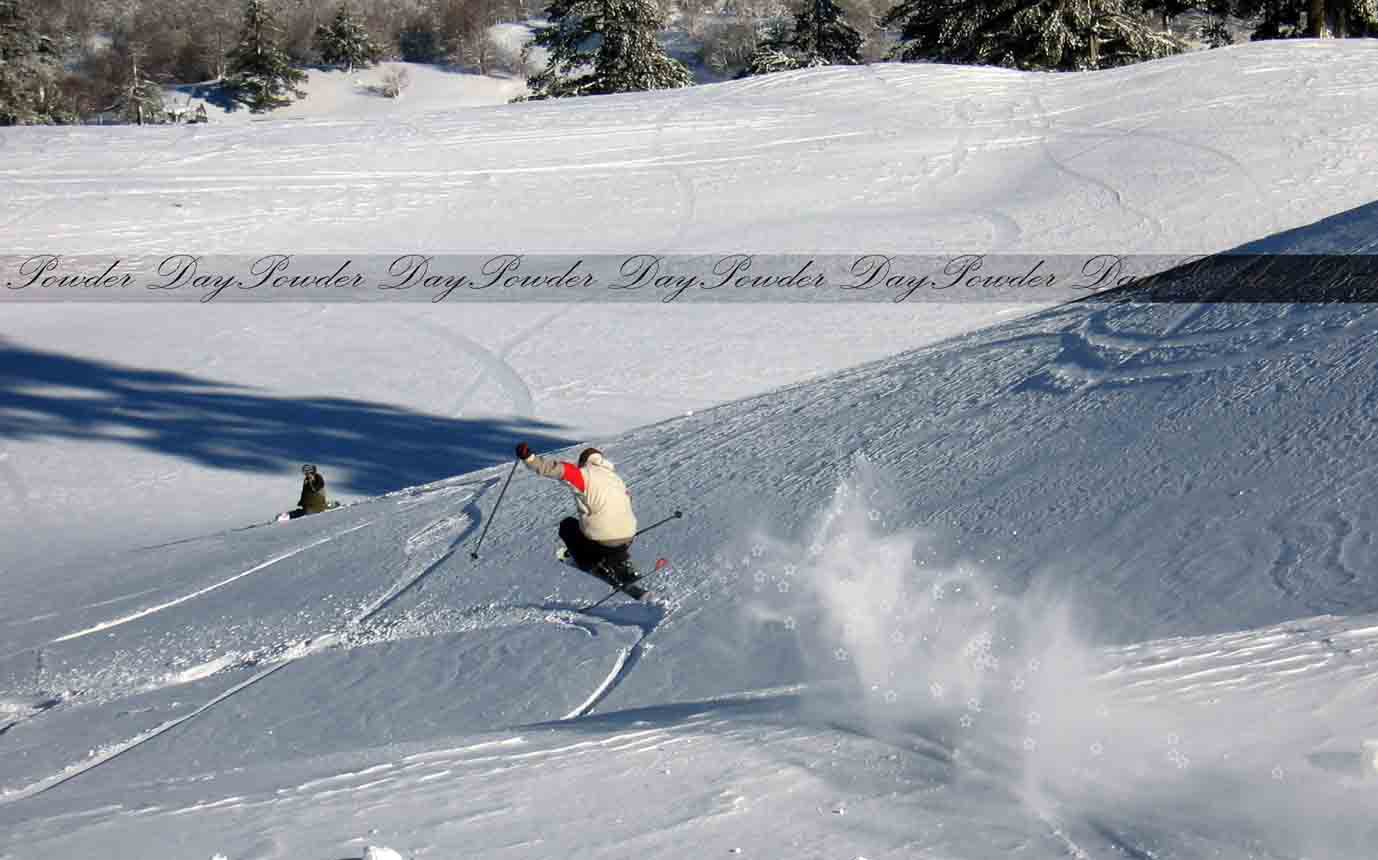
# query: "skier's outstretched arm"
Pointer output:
{"type": "Point", "coordinates": [553, 469]}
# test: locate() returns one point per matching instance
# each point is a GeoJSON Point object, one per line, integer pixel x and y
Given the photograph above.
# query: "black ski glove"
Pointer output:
{"type": "Point", "coordinates": [523, 451]}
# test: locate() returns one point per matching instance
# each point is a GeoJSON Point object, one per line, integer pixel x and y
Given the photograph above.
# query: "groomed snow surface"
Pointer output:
{"type": "Point", "coordinates": [953, 581]}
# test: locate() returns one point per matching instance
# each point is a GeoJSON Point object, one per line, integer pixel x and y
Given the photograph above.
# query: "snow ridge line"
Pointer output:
{"type": "Point", "coordinates": [52, 782]}
{"type": "Point", "coordinates": [397, 591]}
{"type": "Point", "coordinates": [106, 625]}
{"type": "Point", "coordinates": [1057, 831]}
{"type": "Point", "coordinates": [626, 662]}
{"type": "Point", "coordinates": [614, 677]}
{"type": "Point", "coordinates": [406, 585]}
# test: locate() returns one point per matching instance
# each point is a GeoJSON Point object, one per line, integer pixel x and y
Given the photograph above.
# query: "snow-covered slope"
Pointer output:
{"type": "Point", "coordinates": [885, 158]}
{"type": "Point", "coordinates": [912, 629]}
{"type": "Point", "coordinates": [336, 94]}
{"type": "Point", "coordinates": [1092, 582]}
{"type": "Point", "coordinates": [1189, 155]}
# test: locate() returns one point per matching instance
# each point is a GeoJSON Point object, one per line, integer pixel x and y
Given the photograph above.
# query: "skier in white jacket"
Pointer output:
{"type": "Point", "coordinates": [603, 531]}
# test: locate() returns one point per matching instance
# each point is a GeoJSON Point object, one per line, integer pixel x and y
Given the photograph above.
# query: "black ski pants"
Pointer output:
{"type": "Point", "coordinates": [587, 552]}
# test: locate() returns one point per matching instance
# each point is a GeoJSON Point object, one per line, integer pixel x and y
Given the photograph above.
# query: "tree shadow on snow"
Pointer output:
{"type": "Point", "coordinates": [214, 93]}
{"type": "Point", "coordinates": [1334, 259]}
{"type": "Point", "coordinates": [363, 447]}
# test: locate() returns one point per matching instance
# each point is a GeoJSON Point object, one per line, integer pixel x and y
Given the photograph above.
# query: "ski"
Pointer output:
{"type": "Point", "coordinates": [600, 573]}
{"type": "Point", "coordinates": [660, 565]}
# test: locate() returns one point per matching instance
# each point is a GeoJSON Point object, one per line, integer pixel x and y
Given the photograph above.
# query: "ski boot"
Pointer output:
{"type": "Point", "coordinates": [621, 572]}
{"type": "Point", "coordinates": [621, 575]}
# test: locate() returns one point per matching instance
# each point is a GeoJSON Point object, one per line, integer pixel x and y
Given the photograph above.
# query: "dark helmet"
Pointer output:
{"type": "Point", "coordinates": [585, 454]}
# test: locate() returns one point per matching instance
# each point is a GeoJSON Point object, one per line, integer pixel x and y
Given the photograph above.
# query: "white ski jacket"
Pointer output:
{"type": "Point", "coordinates": [605, 505]}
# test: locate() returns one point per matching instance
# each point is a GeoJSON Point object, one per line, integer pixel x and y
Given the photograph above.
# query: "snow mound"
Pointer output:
{"type": "Point", "coordinates": [355, 97]}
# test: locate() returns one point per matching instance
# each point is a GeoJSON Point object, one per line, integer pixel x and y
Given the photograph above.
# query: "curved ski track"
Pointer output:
{"type": "Point", "coordinates": [280, 658]}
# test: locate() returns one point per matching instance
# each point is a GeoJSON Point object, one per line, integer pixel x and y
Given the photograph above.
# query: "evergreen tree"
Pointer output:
{"type": "Point", "coordinates": [604, 46]}
{"type": "Point", "coordinates": [1048, 35]}
{"type": "Point", "coordinates": [260, 74]}
{"type": "Point", "coordinates": [141, 98]}
{"type": "Point", "coordinates": [767, 59]}
{"type": "Point", "coordinates": [346, 42]}
{"type": "Point", "coordinates": [1279, 19]}
{"type": "Point", "coordinates": [418, 41]}
{"type": "Point", "coordinates": [819, 37]}
{"type": "Point", "coordinates": [1215, 34]}
{"type": "Point", "coordinates": [1166, 10]}
{"type": "Point", "coordinates": [823, 37]}
{"type": "Point", "coordinates": [29, 66]}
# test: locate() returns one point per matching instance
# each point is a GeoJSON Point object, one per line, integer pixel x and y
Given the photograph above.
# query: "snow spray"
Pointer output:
{"type": "Point", "coordinates": [906, 641]}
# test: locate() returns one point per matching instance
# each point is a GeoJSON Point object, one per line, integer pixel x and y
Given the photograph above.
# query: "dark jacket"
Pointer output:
{"type": "Point", "coordinates": [312, 499]}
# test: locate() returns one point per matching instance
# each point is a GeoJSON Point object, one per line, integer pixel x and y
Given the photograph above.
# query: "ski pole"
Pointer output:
{"type": "Point", "coordinates": [660, 566]}
{"type": "Point", "coordinates": [474, 555]}
{"type": "Point", "coordinates": [676, 515]}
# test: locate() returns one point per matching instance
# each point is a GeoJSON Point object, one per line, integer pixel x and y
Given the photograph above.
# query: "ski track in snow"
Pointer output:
{"type": "Point", "coordinates": [279, 657]}
{"type": "Point", "coordinates": [18, 712]}
{"type": "Point", "coordinates": [493, 366]}
{"type": "Point", "coordinates": [472, 761]}
{"type": "Point", "coordinates": [475, 761]}
{"type": "Point", "coordinates": [142, 613]}
{"type": "Point", "coordinates": [625, 663]}
{"type": "Point", "coordinates": [1315, 550]}
{"type": "Point", "coordinates": [627, 659]}
{"type": "Point", "coordinates": [1153, 224]}
{"type": "Point", "coordinates": [48, 616]}
{"type": "Point", "coordinates": [116, 750]}
{"type": "Point", "coordinates": [279, 660]}
{"type": "Point", "coordinates": [192, 673]}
